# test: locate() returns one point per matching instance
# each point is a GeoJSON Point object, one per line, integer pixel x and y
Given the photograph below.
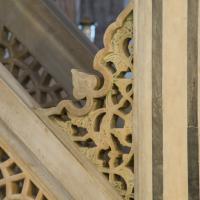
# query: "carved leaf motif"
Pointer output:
{"type": "Point", "coordinates": [82, 83]}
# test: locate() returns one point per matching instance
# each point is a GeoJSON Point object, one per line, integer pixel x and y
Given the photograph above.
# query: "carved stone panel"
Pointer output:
{"type": "Point", "coordinates": [101, 123]}
{"type": "Point", "coordinates": [28, 71]}
{"type": "Point", "coordinates": [15, 183]}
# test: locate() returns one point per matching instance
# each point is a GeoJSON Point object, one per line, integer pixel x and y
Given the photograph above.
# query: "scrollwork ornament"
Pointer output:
{"type": "Point", "coordinates": [101, 124]}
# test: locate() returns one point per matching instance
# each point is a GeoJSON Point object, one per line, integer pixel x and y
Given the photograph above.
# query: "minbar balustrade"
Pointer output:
{"type": "Point", "coordinates": [40, 46]}
{"type": "Point", "coordinates": [144, 138]}
{"type": "Point", "coordinates": [101, 124]}
{"type": "Point", "coordinates": [28, 71]}
{"type": "Point", "coordinates": [98, 122]}
{"type": "Point", "coordinates": [16, 182]}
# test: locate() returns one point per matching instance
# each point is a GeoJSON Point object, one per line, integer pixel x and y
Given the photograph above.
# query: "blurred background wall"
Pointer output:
{"type": "Point", "coordinates": [100, 12]}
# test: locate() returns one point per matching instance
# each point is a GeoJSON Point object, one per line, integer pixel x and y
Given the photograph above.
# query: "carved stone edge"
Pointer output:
{"type": "Point", "coordinates": [38, 136]}
{"type": "Point", "coordinates": [91, 93]}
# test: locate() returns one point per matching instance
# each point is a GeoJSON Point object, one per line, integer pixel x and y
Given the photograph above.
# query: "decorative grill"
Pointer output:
{"type": "Point", "coordinates": [101, 124]}
{"type": "Point", "coordinates": [28, 71]}
{"type": "Point", "coordinates": [15, 183]}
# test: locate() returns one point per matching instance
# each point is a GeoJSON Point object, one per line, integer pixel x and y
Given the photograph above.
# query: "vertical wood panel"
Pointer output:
{"type": "Point", "coordinates": [175, 99]}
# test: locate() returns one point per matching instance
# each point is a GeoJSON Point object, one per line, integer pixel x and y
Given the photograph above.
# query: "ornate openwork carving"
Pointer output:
{"type": "Point", "coordinates": [15, 183]}
{"type": "Point", "coordinates": [101, 124]}
{"type": "Point", "coordinates": [28, 71]}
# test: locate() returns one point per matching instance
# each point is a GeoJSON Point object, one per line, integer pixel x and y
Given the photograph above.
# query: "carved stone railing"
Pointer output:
{"type": "Point", "coordinates": [39, 46]}
{"type": "Point", "coordinates": [35, 79]}
{"type": "Point", "coordinates": [34, 164]}
{"type": "Point", "coordinates": [164, 140]}
{"type": "Point", "coordinates": [101, 124]}
{"type": "Point", "coordinates": [15, 181]}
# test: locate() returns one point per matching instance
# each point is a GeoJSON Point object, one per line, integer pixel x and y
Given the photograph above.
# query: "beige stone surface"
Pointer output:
{"type": "Point", "coordinates": [143, 98]}
{"type": "Point", "coordinates": [52, 154]}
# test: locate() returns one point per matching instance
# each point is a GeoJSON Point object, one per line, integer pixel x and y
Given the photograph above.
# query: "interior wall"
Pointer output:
{"type": "Point", "coordinates": [103, 12]}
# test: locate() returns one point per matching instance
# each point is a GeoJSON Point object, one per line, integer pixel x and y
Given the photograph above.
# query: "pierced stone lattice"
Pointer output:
{"type": "Point", "coordinates": [28, 71]}
{"type": "Point", "coordinates": [102, 127]}
{"type": "Point", "coordinates": [14, 183]}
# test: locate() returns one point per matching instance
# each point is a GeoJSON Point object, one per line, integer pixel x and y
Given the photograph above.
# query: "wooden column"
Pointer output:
{"type": "Point", "coordinates": [166, 99]}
